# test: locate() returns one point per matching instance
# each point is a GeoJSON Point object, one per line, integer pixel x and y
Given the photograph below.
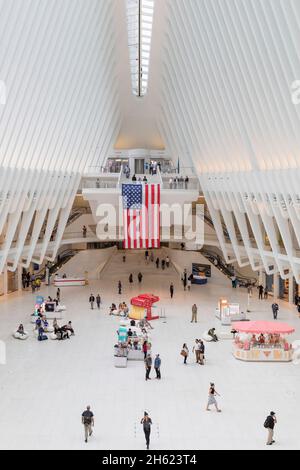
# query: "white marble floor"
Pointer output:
{"type": "Point", "coordinates": [45, 387]}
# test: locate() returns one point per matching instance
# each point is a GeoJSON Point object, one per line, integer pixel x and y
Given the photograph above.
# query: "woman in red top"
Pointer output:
{"type": "Point", "coordinates": [145, 349]}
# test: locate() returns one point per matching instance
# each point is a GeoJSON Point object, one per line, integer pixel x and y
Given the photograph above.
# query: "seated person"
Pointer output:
{"type": "Point", "coordinates": [50, 299]}
{"type": "Point", "coordinates": [212, 333]}
{"type": "Point", "coordinates": [62, 333]}
{"type": "Point", "coordinates": [261, 339]}
{"type": "Point", "coordinates": [69, 327]}
{"type": "Point", "coordinates": [130, 334]}
{"type": "Point", "coordinates": [20, 330]}
{"type": "Point", "coordinates": [113, 309]}
{"type": "Point", "coordinates": [41, 335]}
{"type": "Point", "coordinates": [38, 323]}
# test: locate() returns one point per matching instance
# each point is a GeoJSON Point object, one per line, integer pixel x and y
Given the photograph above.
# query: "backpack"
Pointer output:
{"type": "Point", "coordinates": [267, 422]}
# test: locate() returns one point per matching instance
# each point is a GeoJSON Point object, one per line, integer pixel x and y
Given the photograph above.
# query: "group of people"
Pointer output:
{"type": "Point", "coordinates": [179, 182]}
{"type": "Point", "coordinates": [163, 263]}
{"type": "Point", "coordinates": [63, 332]}
{"type": "Point", "coordinates": [93, 300]}
{"type": "Point", "coordinates": [29, 279]}
{"type": "Point", "coordinates": [263, 292]}
{"type": "Point", "coordinates": [186, 280]}
{"type": "Point", "coordinates": [149, 363]}
{"type": "Point", "coordinates": [121, 311]}
{"type": "Point", "coordinates": [269, 340]}
{"type": "Point", "coordinates": [139, 179]}
{"type": "Point", "coordinates": [139, 276]}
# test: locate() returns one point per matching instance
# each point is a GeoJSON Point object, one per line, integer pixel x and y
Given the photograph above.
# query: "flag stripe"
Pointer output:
{"type": "Point", "coordinates": [141, 216]}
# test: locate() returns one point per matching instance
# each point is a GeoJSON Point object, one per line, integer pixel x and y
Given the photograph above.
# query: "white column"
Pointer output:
{"type": "Point", "coordinates": [19, 278]}
{"type": "Point", "coordinates": [5, 281]}
{"type": "Point", "coordinates": [291, 288]}
{"type": "Point", "coordinates": [262, 278]}
{"type": "Point", "coordinates": [276, 286]}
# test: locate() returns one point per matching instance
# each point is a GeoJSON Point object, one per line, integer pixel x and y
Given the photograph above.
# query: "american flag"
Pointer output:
{"type": "Point", "coordinates": [141, 216]}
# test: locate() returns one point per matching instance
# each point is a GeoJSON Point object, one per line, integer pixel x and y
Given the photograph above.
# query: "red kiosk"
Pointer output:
{"type": "Point", "coordinates": [140, 304]}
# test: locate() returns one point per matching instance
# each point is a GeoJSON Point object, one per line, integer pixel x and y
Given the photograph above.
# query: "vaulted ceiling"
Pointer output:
{"type": "Point", "coordinates": [227, 73]}
{"type": "Point", "coordinates": [219, 93]}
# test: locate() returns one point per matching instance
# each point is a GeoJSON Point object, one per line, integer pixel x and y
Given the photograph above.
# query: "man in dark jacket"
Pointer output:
{"type": "Point", "coordinates": [172, 290]}
{"type": "Point", "coordinates": [148, 365]}
{"type": "Point", "coordinates": [270, 425]}
{"type": "Point", "coordinates": [275, 309]}
{"type": "Point", "coordinates": [92, 301]}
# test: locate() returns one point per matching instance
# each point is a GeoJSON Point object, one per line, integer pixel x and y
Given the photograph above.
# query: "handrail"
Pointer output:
{"type": "Point", "coordinates": [223, 267]}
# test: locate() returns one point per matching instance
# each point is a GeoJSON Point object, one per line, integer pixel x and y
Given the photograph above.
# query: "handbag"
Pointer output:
{"type": "Point", "coordinates": [183, 353]}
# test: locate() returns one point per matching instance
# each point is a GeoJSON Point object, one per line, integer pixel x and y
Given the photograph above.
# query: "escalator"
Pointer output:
{"type": "Point", "coordinates": [62, 259]}
{"type": "Point", "coordinates": [227, 269]}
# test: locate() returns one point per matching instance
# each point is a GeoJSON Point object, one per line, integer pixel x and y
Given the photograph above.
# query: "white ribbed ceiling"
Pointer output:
{"type": "Point", "coordinates": [228, 69]}
{"type": "Point", "coordinates": [223, 71]}
{"type": "Point", "coordinates": [57, 61]}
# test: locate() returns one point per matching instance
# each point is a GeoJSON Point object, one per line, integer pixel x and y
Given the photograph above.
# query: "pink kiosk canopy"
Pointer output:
{"type": "Point", "coordinates": [266, 327]}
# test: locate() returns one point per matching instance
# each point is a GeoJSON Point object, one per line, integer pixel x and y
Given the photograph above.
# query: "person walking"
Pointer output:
{"type": "Point", "coordinates": [98, 301]}
{"type": "Point", "coordinates": [184, 279]}
{"type": "Point", "coordinates": [269, 424]}
{"type": "Point", "coordinates": [275, 310]}
{"type": "Point", "coordinates": [120, 287]}
{"type": "Point", "coordinates": [88, 422]}
{"type": "Point", "coordinates": [212, 398]}
{"type": "Point", "coordinates": [201, 352]}
{"type": "Point", "coordinates": [92, 301]}
{"type": "Point", "coordinates": [260, 292]}
{"type": "Point", "coordinates": [148, 366]}
{"type": "Point", "coordinates": [172, 290]}
{"type": "Point", "coordinates": [196, 350]}
{"type": "Point", "coordinates": [157, 262]}
{"type": "Point", "coordinates": [185, 353]}
{"type": "Point", "coordinates": [163, 264]}
{"type": "Point", "coordinates": [58, 294]}
{"type": "Point", "coordinates": [84, 231]}
{"type": "Point", "coordinates": [131, 279]}
{"type": "Point", "coordinates": [157, 365]}
{"type": "Point", "coordinates": [167, 262]}
{"type": "Point", "coordinates": [194, 314]}
{"type": "Point", "coordinates": [147, 423]}
{"type": "Point", "coordinates": [140, 278]}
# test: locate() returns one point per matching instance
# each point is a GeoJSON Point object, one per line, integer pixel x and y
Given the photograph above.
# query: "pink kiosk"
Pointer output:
{"type": "Point", "coordinates": [262, 341]}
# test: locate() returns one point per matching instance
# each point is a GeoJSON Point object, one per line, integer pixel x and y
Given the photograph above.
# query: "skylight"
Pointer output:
{"type": "Point", "coordinates": [139, 22]}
